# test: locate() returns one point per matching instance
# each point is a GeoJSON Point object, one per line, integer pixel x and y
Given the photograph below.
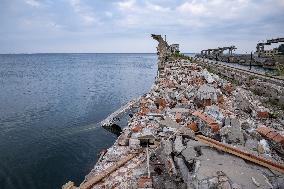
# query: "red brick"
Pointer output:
{"type": "Point", "coordinates": [145, 182]}
{"type": "Point", "coordinates": [271, 134]}
{"type": "Point", "coordinates": [144, 110]}
{"type": "Point", "coordinates": [210, 122]}
{"type": "Point", "coordinates": [136, 129]}
{"type": "Point", "coordinates": [192, 126]}
{"type": "Point", "coordinates": [228, 88]}
{"type": "Point", "coordinates": [161, 102]}
{"type": "Point", "coordinates": [178, 117]}
{"type": "Point", "coordinates": [261, 114]}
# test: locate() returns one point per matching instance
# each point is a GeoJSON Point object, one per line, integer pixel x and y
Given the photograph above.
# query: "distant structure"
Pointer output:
{"type": "Point", "coordinates": [218, 51]}
{"type": "Point", "coordinates": [164, 50]}
{"type": "Point", "coordinates": [260, 52]}
{"type": "Point", "coordinates": [271, 52]}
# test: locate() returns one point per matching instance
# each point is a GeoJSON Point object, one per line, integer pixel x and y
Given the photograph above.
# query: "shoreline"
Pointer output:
{"type": "Point", "coordinates": [160, 148]}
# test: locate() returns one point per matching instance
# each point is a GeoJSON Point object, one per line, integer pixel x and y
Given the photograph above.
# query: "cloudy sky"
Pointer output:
{"type": "Point", "coordinates": [30, 26]}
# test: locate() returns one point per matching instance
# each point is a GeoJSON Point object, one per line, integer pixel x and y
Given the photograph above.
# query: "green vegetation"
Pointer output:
{"type": "Point", "coordinates": [280, 70]}
{"type": "Point", "coordinates": [251, 77]}
{"type": "Point", "coordinates": [178, 55]}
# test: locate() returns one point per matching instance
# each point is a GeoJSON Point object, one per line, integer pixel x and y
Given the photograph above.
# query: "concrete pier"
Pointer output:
{"type": "Point", "coordinates": [166, 142]}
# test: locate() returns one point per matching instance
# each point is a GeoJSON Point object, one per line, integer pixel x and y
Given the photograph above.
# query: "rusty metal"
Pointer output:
{"type": "Point", "coordinates": [240, 153]}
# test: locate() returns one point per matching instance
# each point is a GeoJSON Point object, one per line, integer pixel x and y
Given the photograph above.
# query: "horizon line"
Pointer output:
{"type": "Point", "coordinates": [87, 53]}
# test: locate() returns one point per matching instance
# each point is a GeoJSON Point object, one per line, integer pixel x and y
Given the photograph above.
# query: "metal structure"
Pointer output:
{"type": "Point", "coordinates": [219, 50]}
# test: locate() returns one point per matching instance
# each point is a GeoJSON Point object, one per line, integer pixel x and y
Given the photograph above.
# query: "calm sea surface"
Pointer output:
{"type": "Point", "coordinates": [49, 107]}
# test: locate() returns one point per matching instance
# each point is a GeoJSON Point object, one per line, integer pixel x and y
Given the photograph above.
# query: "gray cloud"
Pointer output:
{"type": "Point", "coordinates": [94, 26]}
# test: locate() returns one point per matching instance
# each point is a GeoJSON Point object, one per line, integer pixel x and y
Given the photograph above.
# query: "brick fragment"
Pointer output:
{"type": "Point", "coordinates": [144, 110]}
{"type": "Point", "coordinates": [145, 182]}
{"type": "Point", "coordinates": [271, 134]}
{"type": "Point", "coordinates": [178, 117]}
{"type": "Point", "coordinates": [136, 129]}
{"type": "Point", "coordinates": [210, 122]}
{"type": "Point", "coordinates": [161, 103]}
{"type": "Point", "coordinates": [262, 114]}
{"type": "Point", "coordinates": [228, 88]}
{"type": "Point", "coordinates": [192, 126]}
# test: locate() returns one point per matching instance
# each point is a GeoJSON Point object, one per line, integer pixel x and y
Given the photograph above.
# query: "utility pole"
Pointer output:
{"type": "Point", "coordinates": [250, 60]}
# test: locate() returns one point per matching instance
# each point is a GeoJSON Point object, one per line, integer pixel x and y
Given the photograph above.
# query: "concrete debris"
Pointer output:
{"type": "Point", "coordinates": [110, 120]}
{"type": "Point", "coordinates": [184, 101]}
{"type": "Point", "coordinates": [178, 145]}
{"type": "Point", "coordinates": [275, 138]}
{"type": "Point", "coordinates": [207, 95]}
{"type": "Point", "coordinates": [209, 126]}
{"type": "Point", "coordinates": [168, 122]}
{"type": "Point", "coordinates": [69, 185]}
{"type": "Point", "coordinates": [134, 144]}
{"type": "Point", "coordinates": [263, 147]}
{"type": "Point", "coordinates": [208, 77]}
{"type": "Point", "coordinates": [214, 112]}
{"type": "Point", "coordinates": [145, 182]}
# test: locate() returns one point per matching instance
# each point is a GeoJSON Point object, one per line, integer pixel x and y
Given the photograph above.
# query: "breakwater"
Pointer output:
{"type": "Point", "coordinates": [193, 129]}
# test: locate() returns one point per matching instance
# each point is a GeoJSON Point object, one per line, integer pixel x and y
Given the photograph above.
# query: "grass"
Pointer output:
{"type": "Point", "coordinates": [177, 55]}
{"type": "Point", "coordinates": [280, 70]}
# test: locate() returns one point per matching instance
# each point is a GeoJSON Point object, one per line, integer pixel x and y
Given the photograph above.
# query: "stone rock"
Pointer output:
{"type": "Point", "coordinates": [245, 125]}
{"type": "Point", "coordinates": [184, 131]}
{"type": "Point", "coordinates": [69, 185]}
{"type": "Point", "coordinates": [167, 146]}
{"type": "Point", "coordinates": [207, 92]}
{"type": "Point", "coordinates": [224, 185]}
{"type": "Point", "coordinates": [251, 144]}
{"type": "Point", "coordinates": [214, 112]}
{"type": "Point", "coordinates": [168, 122]}
{"type": "Point", "coordinates": [145, 182]}
{"type": "Point", "coordinates": [263, 147]}
{"type": "Point", "coordinates": [178, 145]}
{"type": "Point", "coordinates": [203, 184]}
{"type": "Point", "coordinates": [134, 144]}
{"type": "Point", "coordinates": [236, 186]}
{"type": "Point", "coordinates": [208, 77]}
{"type": "Point", "coordinates": [182, 168]}
{"type": "Point", "coordinates": [213, 182]}
{"type": "Point", "coordinates": [232, 133]}
{"type": "Point", "coordinates": [192, 150]}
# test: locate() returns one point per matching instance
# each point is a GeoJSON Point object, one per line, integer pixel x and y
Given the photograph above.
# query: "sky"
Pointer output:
{"type": "Point", "coordinates": [124, 26]}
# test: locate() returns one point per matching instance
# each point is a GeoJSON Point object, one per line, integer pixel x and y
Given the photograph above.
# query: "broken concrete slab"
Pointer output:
{"type": "Point", "coordinates": [178, 144]}
{"type": "Point", "coordinates": [235, 168]}
{"type": "Point", "coordinates": [168, 122]}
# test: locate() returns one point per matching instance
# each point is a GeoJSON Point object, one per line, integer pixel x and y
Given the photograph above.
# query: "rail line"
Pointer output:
{"type": "Point", "coordinates": [267, 77]}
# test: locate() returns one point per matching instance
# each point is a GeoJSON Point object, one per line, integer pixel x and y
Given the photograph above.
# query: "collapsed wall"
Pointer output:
{"type": "Point", "coordinates": [162, 51]}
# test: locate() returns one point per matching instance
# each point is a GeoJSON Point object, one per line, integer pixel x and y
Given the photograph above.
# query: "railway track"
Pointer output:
{"type": "Point", "coordinates": [276, 80]}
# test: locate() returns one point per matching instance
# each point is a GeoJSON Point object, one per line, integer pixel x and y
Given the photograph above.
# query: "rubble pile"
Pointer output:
{"type": "Point", "coordinates": [184, 101]}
